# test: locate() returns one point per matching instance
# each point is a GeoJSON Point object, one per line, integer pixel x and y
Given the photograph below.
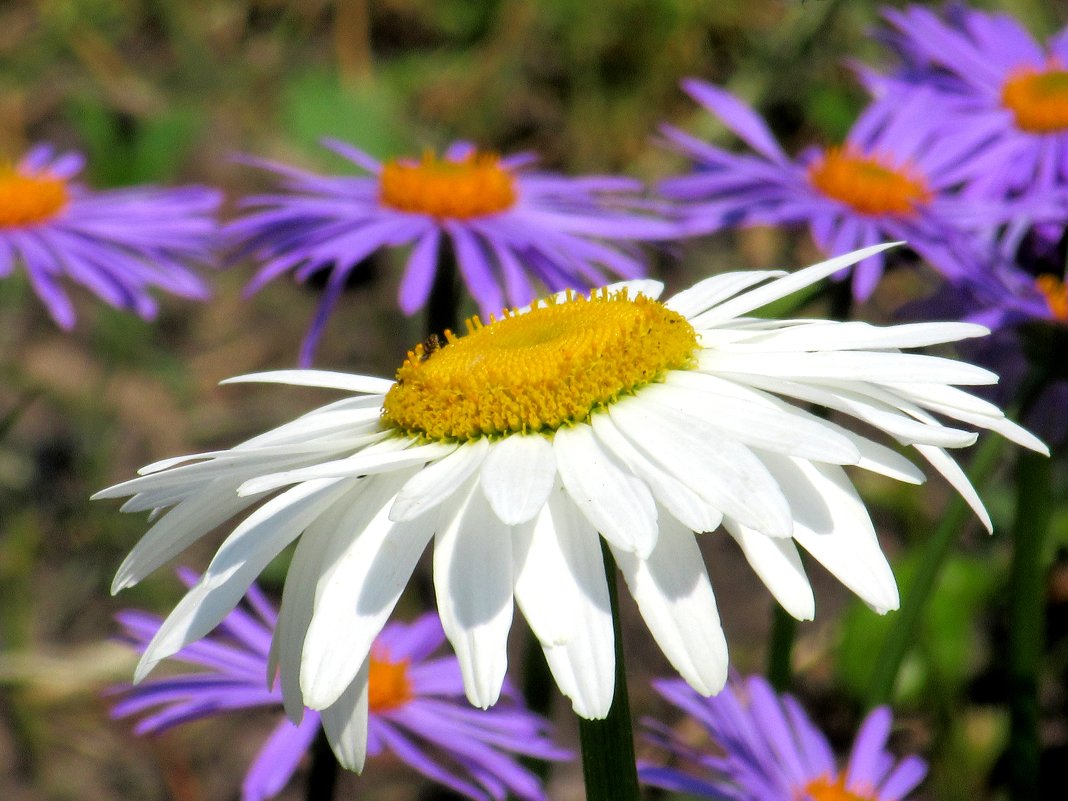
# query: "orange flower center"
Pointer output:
{"type": "Point", "coordinates": [387, 683]}
{"type": "Point", "coordinates": [826, 789]}
{"type": "Point", "coordinates": [867, 183]}
{"type": "Point", "coordinates": [1056, 295]}
{"type": "Point", "coordinates": [1038, 99]}
{"type": "Point", "coordinates": [472, 187]}
{"type": "Point", "coordinates": [29, 199]}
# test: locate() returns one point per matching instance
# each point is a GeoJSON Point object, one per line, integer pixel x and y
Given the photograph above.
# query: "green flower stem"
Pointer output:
{"type": "Point", "coordinates": [322, 778]}
{"type": "Point", "coordinates": [442, 307]}
{"type": "Point", "coordinates": [608, 765]}
{"type": "Point", "coordinates": [783, 632]}
{"type": "Point", "coordinates": [839, 296]}
{"type": "Point", "coordinates": [1026, 607]}
{"type": "Point", "coordinates": [914, 599]}
{"type": "Point", "coordinates": [537, 692]}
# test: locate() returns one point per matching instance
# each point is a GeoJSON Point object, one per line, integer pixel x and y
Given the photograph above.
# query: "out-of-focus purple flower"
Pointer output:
{"type": "Point", "coordinates": [509, 228]}
{"type": "Point", "coordinates": [768, 749]}
{"type": "Point", "coordinates": [117, 243]}
{"type": "Point", "coordinates": [414, 706]}
{"type": "Point", "coordinates": [893, 178]}
{"type": "Point", "coordinates": [1003, 94]}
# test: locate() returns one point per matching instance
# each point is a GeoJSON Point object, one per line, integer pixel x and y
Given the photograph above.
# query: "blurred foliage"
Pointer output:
{"type": "Point", "coordinates": [170, 90]}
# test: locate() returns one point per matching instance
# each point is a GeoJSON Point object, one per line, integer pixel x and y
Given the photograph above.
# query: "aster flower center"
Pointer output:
{"type": "Point", "coordinates": [537, 371]}
{"type": "Point", "coordinates": [1038, 99]}
{"type": "Point", "coordinates": [1056, 294]}
{"type": "Point", "coordinates": [388, 685]}
{"type": "Point", "coordinates": [29, 199]}
{"type": "Point", "coordinates": [868, 183]}
{"type": "Point", "coordinates": [470, 187]}
{"type": "Point", "coordinates": [827, 789]}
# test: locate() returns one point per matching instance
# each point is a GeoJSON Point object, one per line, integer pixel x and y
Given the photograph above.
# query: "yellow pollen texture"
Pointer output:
{"type": "Point", "coordinates": [472, 187]}
{"type": "Point", "coordinates": [1056, 294]}
{"type": "Point", "coordinates": [1038, 99]}
{"type": "Point", "coordinates": [868, 183]}
{"type": "Point", "coordinates": [388, 685]}
{"type": "Point", "coordinates": [29, 199]}
{"type": "Point", "coordinates": [537, 371]}
{"type": "Point", "coordinates": [827, 789]}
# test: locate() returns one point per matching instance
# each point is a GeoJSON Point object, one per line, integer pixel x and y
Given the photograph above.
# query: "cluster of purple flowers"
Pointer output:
{"type": "Point", "coordinates": [962, 152]}
{"type": "Point", "coordinates": [765, 747]}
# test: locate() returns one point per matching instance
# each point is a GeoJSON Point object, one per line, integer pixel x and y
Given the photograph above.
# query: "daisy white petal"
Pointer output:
{"type": "Point", "coordinates": [345, 723]}
{"type": "Point", "coordinates": [584, 666]}
{"type": "Point", "coordinates": [618, 505]}
{"type": "Point", "coordinates": [779, 566]}
{"type": "Point", "coordinates": [674, 595]}
{"type": "Point", "coordinates": [366, 566]}
{"type": "Point", "coordinates": [473, 579]}
{"type": "Point", "coordinates": [317, 378]}
{"type": "Point", "coordinates": [520, 444]}
{"type": "Point", "coordinates": [517, 477]}
{"type": "Point", "coordinates": [706, 294]}
{"type": "Point", "coordinates": [438, 481]}
{"type": "Point", "coordinates": [683, 503]}
{"type": "Point", "coordinates": [724, 472]}
{"type": "Point", "coordinates": [549, 573]}
{"type": "Point", "coordinates": [832, 524]}
{"type": "Point", "coordinates": [787, 285]}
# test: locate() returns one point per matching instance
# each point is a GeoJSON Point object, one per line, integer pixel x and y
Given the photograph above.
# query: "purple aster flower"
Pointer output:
{"type": "Point", "coordinates": [117, 243]}
{"type": "Point", "coordinates": [1002, 93]}
{"type": "Point", "coordinates": [768, 749]}
{"type": "Point", "coordinates": [893, 178]}
{"type": "Point", "coordinates": [508, 227]}
{"type": "Point", "coordinates": [413, 706]}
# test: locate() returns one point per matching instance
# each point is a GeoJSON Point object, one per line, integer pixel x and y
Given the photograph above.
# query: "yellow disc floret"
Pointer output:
{"type": "Point", "coordinates": [538, 370]}
{"type": "Point", "coordinates": [834, 789]}
{"type": "Point", "coordinates": [1056, 294]}
{"type": "Point", "coordinates": [29, 199]}
{"type": "Point", "coordinates": [473, 186]}
{"type": "Point", "coordinates": [1038, 99]}
{"type": "Point", "coordinates": [871, 184]}
{"type": "Point", "coordinates": [388, 685]}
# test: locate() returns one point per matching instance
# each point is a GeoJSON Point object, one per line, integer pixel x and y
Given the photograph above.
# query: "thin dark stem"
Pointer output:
{"type": "Point", "coordinates": [537, 692]}
{"type": "Point", "coordinates": [322, 779]}
{"type": "Point", "coordinates": [783, 632]}
{"type": "Point", "coordinates": [608, 764]}
{"type": "Point", "coordinates": [936, 551]}
{"type": "Point", "coordinates": [443, 305]}
{"type": "Point", "coordinates": [783, 626]}
{"type": "Point", "coordinates": [1026, 602]}
{"type": "Point", "coordinates": [913, 601]}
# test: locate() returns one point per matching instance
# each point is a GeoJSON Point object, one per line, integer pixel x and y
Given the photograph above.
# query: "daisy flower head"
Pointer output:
{"type": "Point", "coordinates": [519, 445]}
{"type": "Point", "coordinates": [1003, 93]}
{"type": "Point", "coordinates": [512, 230]}
{"type": "Point", "coordinates": [117, 243]}
{"type": "Point", "coordinates": [409, 707]}
{"type": "Point", "coordinates": [892, 178]}
{"type": "Point", "coordinates": [768, 749]}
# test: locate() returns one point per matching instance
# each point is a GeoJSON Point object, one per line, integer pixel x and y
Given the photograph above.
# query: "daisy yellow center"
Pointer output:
{"type": "Point", "coordinates": [1056, 294]}
{"type": "Point", "coordinates": [827, 789]}
{"type": "Point", "coordinates": [472, 187]}
{"type": "Point", "coordinates": [537, 371]}
{"type": "Point", "coordinates": [868, 183]}
{"type": "Point", "coordinates": [29, 199]}
{"type": "Point", "coordinates": [388, 685]}
{"type": "Point", "coordinates": [1038, 99]}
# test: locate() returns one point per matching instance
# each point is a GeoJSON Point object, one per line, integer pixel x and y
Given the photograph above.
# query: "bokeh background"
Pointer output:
{"type": "Point", "coordinates": [169, 91]}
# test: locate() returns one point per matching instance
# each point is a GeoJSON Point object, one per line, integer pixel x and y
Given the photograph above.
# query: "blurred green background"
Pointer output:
{"type": "Point", "coordinates": [168, 91]}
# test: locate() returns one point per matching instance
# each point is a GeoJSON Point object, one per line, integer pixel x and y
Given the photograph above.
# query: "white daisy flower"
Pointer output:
{"type": "Point", "coordinates": [514, 445]}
